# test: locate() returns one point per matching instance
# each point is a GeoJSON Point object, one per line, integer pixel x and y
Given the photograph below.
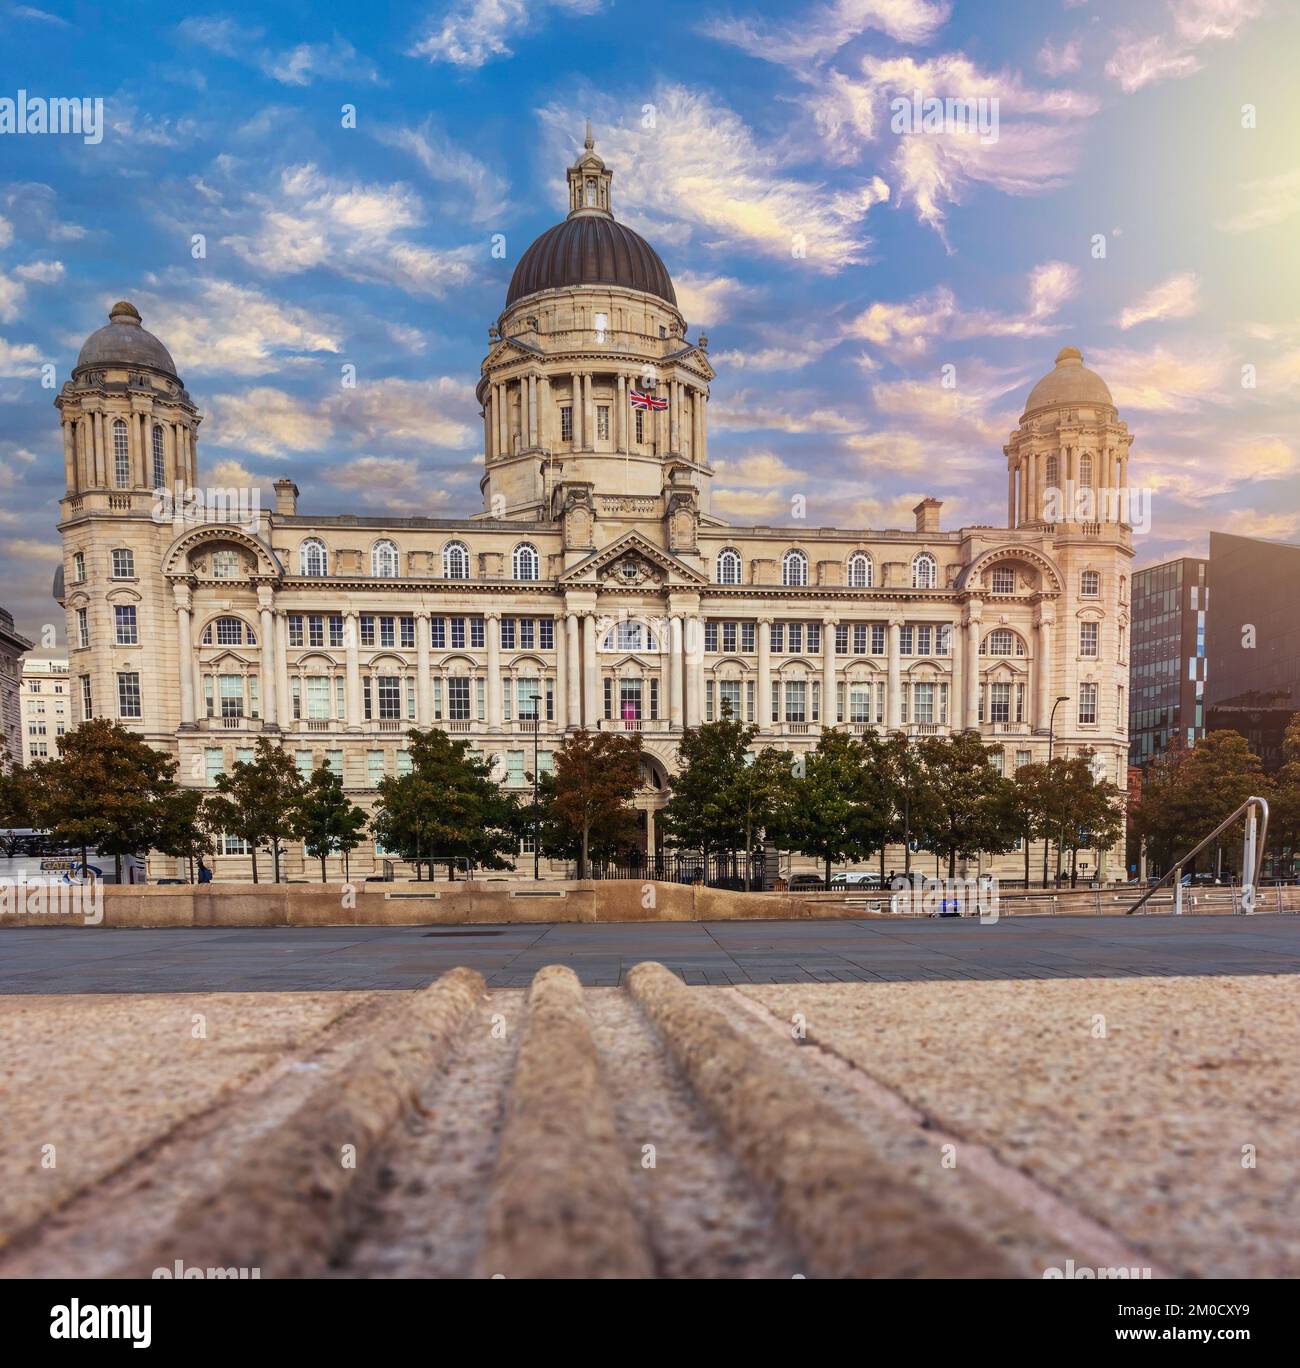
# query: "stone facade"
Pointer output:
{"type": "Point", "coordinates": [45, 707]}
{"type": "Point", "coordinates": [596, 580]}
{"type": "Point", "coordinates": [12, 646]}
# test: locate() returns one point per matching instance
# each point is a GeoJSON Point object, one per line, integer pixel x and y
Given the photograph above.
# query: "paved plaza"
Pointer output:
{"type": "Point", "coordinates": [309, 959]}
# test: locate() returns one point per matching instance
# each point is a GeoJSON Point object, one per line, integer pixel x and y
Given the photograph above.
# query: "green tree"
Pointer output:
{"type": "Point", "coordinates": [1093, 817]}
{"type": "Point", "coordinates": [1189, 791]}
{"type": "Point", "coordinates": [1028, 813]}
{"type": "Point", "coordinates": [258, 801]}
{"type": "Point", "coordinates": [184, 832]}
{"type": "Point", "coordinates": [967, 802]}
{"type": "Point", "coordinates": [108, 789]}
{"type": "Point", "coordinates": [17, 798]}
{"type": "Point", "coordinates": [328, 821]}
{"type": "Point", "coordinates": [448, 807]}
{"type": "Point", "coordinates": [832, 814]}
{"type": "Point", "coordinates": [902, 776]}
{"type": "Point", "coordinates": [588, 792]}
{"type": "Point", "coordinates": [1284, 803]}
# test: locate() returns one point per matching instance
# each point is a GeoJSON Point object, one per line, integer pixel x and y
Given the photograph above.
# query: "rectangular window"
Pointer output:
{"type": "Point", "coordinates": [336, 629]}
{"type": "Point", "coordinates": [1088, 639]}
{"type": "Point", "coordinates": [905, 641]}
{"type": "Point", "coordinates": [230, 690]}
{"type": "Point", "coordinates": [629, 700]}
{"type": "Point", "coordinates": [438, 633]}
{"type": "Point", "coordinates": [403, 763]}
{"type": "Point", "coordinates": [514, 767]}
{"type": "Point", "coordinates": [1023, 758]}
{"type": "Point", "coordinates": [315, 630]}
{"type": "Point", "coordinates": [214, 763]}
{"type": "Point", "coordinates": [334, 759]}
{"type": "Point", "coordinates": [507, 634]}
{"type": "Point", "coordinates": [609, 698]}
{"type": "Point", "coordinates": [390, 698]}
{"type": "Point", "coordinates": [776, 701]}
{"type": "Point", "coordinates": [814, 637]}
{"type": "Point", "coordinates": [302, 759]}
{"type": "Point", "coordinates": [527, 634]}
{"type": "Point", "coordinates": [640, 425]}
{"type": "Point", "coordinates": [923, 703]}
{"type": "Point", "coordinates": [796, 709]}
{"type": "Point", "coordinates": [778, 637]}
{"type": "Point", "coordinates": [477, 635]}
{"type": "Point", "coordinates": [877, 638]}
{"type": "Point", "coordinates": [729, 699]}
{"type": "Point", "coordinates": [388, 631]}
{"type": "Point", "coordinates": [128, 694]}
{"type": "Point", "coordinates": [546, 634]}
{"type": "Point", "coordinates": [123, 564]}
{"type": "Point", "coordinates": [295, 629]}
{"type": "Point", "coordinates": [1000, 703]}
{"type": "Point", "coordinates": [923, 636]}
{"type": "Point", "coordinates": [795, 632]}
{"type": "Point", "coordinates": [747, 638]}
{"type": "Point", "coordinates": [1087, 705]}
{"type": "Point", "coordinates": [458, 700]}
{"type": "Point", "coordinates": [566, 422]}
{"type": "Point", "coordinates": [711, 637]}
{"type": "Point", "coordinates": [528, 691]}
{"type": "Point", "coordinates": [374, 767]}
{"type": "Point", "coordinates": [83, 627]}
{"type": "Point", "coordinates": [602, 422]}
{"type": "Point", "coordinates": [842, 639]}
{"type": "Point", "coordinates": [943, 640]}
{"type": "Point", "coordinates": [367, 629]}
{"type": "Point", "coordinates": [860, 702]}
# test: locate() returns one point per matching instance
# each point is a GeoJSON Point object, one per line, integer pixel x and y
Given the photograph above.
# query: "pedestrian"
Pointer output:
{"type": "Point", "coordinates": [205, 874]}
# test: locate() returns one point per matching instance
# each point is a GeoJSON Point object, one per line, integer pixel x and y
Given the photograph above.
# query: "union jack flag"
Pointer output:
{"type": "Point", "coordinates": [647, 401]}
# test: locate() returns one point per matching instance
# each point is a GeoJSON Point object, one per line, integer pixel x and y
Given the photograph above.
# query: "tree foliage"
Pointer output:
{"type": "Point", "coordinates": [329, 822]}
{"type": "Point", "coordinates": [587, 795]}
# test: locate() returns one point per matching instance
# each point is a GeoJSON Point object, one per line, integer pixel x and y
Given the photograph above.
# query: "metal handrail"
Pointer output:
{"type": "Point", "coordinates": [1257, 850]}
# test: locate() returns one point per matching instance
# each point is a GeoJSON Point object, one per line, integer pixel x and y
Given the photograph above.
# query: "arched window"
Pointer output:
{"type": "Point", "coordinates": [1002, 641]}
{"type": "Point", "coordinates": [313, 559]}
{"type": "Point", "coordinates": [225, 564]}
{"type": "Point", "coordinates": [527, 562]}
{"type": "Point", "coordinates": [861, 571]}
{"type": "Point", "coordinates": [794, 569]}
{"type": "Point", "coordinates": [228, 631]}
{"type": "Point", "coordinates": [630, 636]}
{"type": "Point", "coordinates": [159, 457]}
{"type": "Point", "coordinates": [729, 566]}
{"type": "Point", "coordinates": [1085, 468]}
{"type": "Point", "coordinates": [384, 560]}
{"type": "Point", "coordinates": [925, 571]}
{"type": "Point", "coordinates": [455, 561]}
{"type": "Point", "coordinates": [121, 456]}
{"type": "Point", "coordinates": [1053, 473]}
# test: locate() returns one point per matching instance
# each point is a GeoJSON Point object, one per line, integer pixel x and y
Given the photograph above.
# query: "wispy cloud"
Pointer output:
{"type": "Point", "coordinates": [1141, 59]}
{"type": "Point", "coordinates": [299, 65]}
{"type": "Point", "coordinates": [474, 32]}
{"type": "Point", "coordinates": [821, 30]}
{"type": "Point", "coordinates": [447, 164]}
{"type": "Point", "coordinates": [1265, 202]}
{"type": "Point", "coordinates": [1177, 297]}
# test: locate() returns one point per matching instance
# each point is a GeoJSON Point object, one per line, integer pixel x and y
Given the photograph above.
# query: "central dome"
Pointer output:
{"type": "Point", "coordinates": [590, 247]}
{"type": "Point", "coordinates": [124, 342]}
{"type": "Point", "coordinates": [590, 250]}
{"type": "Point", "coordinates": [1070, 382]}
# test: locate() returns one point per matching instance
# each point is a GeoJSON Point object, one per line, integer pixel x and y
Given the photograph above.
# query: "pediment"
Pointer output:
{"type": "Point", "coordinates": [652, 563]}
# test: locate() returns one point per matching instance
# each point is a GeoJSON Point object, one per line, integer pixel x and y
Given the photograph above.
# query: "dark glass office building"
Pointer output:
{"type": "Point", "coordinates": [1167, 660]}
{"type": "Point", "coordinates": [1254, 641]}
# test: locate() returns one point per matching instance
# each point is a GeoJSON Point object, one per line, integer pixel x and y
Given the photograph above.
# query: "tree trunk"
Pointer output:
{"type": "Point", "coordinates": [253, 848]}
{"type": "Point", "coordinates": [882, 866]}
{"type": "Point", "coordinates": [748, 853]}
{"type": "Point", "coordinates": [828, 872]}
{"type": "Point", "coordinates": [952, 863]}
{"type": "Point", "coordinates": [1025, 838]}
{"type": "Point", "coordinates": [582, 860]}
{"type": "Point", "coordinates": [275, 859]}
{"type": "Point", "coordinates": [117, 868]}
{"type": "Point", "coordinates": [322, 869]}
{"type": "Point", "coordinates": [907, 839]}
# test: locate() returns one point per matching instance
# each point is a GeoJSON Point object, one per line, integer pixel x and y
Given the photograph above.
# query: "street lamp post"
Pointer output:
{"type": "Point", "coordinates": [1051, 729]}
{"type": "Point", "coordinates": [537, 849]}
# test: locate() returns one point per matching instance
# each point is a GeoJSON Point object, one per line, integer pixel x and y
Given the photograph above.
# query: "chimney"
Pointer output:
{"type": "Point", "coordinates": [927, 515]}
{"type": "Point", "coordinates": [286, 497]}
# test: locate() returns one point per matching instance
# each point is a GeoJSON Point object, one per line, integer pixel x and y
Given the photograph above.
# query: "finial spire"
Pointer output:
{"type": "Point", "coordinates": [591, 142]}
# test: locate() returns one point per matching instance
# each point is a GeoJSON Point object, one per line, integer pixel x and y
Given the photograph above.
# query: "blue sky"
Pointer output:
{"type": "Point", "coordinates": [836, 264]}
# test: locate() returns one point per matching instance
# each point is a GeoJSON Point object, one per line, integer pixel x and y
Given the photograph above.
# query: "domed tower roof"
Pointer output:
{"type": "Point", "coordinates": [1071, 382]}
{"type": "Point", "coordinates": [590, 247]}
{"type": "Point", "coordinates": [123, 342]}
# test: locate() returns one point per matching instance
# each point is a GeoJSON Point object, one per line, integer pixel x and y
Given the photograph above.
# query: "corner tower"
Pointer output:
{"type": "Point", "coordinates": [1067, 462]}
{"type": "Point", "coordinates": [590, 320]}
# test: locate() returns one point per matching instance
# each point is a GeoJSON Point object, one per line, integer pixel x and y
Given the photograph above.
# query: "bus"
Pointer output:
{"type": "Point", "coordinates": [26, 855]}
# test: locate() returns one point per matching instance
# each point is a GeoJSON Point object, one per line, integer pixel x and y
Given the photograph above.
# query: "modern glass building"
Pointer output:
{"type": "Point", "coordinates": [1168, 662]}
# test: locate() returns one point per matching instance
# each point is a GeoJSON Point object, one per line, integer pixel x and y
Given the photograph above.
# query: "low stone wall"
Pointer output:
{"type": "Point", "coordinates": [607, 900]}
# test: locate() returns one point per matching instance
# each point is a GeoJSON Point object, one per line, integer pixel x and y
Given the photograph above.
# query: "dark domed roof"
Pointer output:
{"type": "Point", "coordinates": [590, 249]}
{"type": "Point", "coordinates": [123, 342]}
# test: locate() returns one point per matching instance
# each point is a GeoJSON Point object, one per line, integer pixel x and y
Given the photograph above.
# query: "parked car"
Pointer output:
{"type": "Point", "coordinates": [806, 883]}
{"type": "Point", "coordinates": [853, 878]}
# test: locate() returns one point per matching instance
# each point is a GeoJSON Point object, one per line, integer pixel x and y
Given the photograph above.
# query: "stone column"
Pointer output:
{"type": "Point", "coordinates": [1011, 496]}
{"type": "Point", "coordinates": [575, 410]}
{"type": "Point", "coordinates": [532, 410]}
{"type": "Point", "coordinates": [283, 700]}
{"type": "Point", "coordinates": [894, 692]}
{"type": "Point", "coordinates": [493, 671]}
{"type": "Point", "coordinates": [590, 674]}
{"type": "Point", "coordinates": [693, 662]}
{"type": "Point", "coordinates": [972, 709]}
{"type": "Point", "coordinates": [620, 415]}
{"type": "Point", "coordinates": [270, 699]}
{"type": "Point", "coordinates": [573, 670]}
{"type": "Point", "coordinates": [1045, 695]}
{"type": "Point", "coordinates": [697, 426]}
{"type": "Point", "coordinates": [675, 711]}
{"type": "Point", "coordinates": [185, 649]}
{"type": "Point", "coordinates": [423, 675]}
{"type": "Point", "coordinates": [764, 704]}
{"type": "Point", "coordinates": [588, 413]}
{"type": "Point", "coordinates": [829, 713]}
{"type": "Point", "coordinates": [674, 416]}
{"type": "Point", "coordinates": [352, 645]}
{"type": "Point", "coordinates": [561, 677]}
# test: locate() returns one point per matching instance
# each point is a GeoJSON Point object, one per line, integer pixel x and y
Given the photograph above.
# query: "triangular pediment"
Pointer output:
{"type": "Point", "coordinates": [634, 547]}
{"type": "Point", "coordinates": [693, 358]}
{"type": "Point", "coordinates": [508, 350]}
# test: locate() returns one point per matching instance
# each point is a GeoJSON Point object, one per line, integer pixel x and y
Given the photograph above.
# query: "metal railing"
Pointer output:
{"type": "Point", "coordinates": [1251, 863]}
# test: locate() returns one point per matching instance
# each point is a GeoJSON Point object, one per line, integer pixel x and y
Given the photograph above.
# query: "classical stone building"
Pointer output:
{"type": "Point", "coordinates": [12, 646]}
{"type": "Point", "coordinates": [44, 706]}
{"type": "Point", "coordinates": [597, 585]}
